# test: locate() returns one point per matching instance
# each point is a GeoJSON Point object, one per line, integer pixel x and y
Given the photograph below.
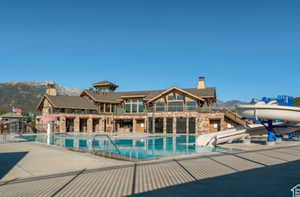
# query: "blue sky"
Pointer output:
{"type": "Point", "coordinates": [244, 48]}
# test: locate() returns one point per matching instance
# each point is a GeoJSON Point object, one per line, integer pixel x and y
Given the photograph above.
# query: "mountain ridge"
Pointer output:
{"type": "Point", "coordinates": [27, 94]}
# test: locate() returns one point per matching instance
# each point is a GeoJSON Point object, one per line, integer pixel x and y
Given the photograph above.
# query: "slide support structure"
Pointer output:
{"type": "Point", "coordinates": [271, 133]}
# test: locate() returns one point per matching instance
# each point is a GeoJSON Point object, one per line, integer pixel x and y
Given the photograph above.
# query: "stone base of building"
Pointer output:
{"type": "Point", "coordinates": [153, 123]}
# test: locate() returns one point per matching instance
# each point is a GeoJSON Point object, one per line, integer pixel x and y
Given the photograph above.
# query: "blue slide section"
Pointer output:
{"type": "Point", "coordinates": [283, 100]}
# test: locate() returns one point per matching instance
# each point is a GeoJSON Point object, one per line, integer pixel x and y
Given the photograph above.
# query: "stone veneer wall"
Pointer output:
{"type": "Point", "coordinates": [202, 120]}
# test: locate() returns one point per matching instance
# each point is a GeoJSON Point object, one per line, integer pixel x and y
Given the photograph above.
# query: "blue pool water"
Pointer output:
{"type": "Point", "coordinates": [139, 148]}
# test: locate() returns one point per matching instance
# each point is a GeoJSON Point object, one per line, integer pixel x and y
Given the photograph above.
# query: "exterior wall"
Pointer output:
{"type": "Point", "coordinates": [90, 125]}
{"type": "Point", "coordinates": [76, 124]}
{"type": "Point", "coordinates": [202, 120]}
{"type": "Point", "coordinates": [140, 122]}
{"type": "Point", "coordinates": [45, 111]}
{"type": "Point", "coordinates": [62, 124]}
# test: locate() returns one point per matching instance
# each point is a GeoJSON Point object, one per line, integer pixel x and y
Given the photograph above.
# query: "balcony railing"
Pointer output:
{"type": "Point", "coordinates": [184, 108]}
{"type": "Point", "coordinates": [154, 109]}
{"type": "Point", "coordinates": [74, 112]}
{"type": "Point", "coordinates": [122, 111]}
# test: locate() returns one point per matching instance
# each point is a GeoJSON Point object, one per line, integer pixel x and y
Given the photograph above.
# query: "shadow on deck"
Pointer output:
{"type": "Point", "coordinates": [274, 181]}
{"type": "Point", "coordinates": [9, 160]}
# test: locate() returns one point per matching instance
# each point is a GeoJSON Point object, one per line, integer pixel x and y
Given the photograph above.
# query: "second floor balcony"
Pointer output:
{"type": "Point", "coordinates": [166, 108]}
{"type": "Point", "coordinates": [182, 108]}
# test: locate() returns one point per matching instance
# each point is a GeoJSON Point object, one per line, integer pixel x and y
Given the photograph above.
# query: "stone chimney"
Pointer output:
{"type": "Point", "coordinates": [201, 83]}
{"type": "Point", "coordinates": [51, 89]}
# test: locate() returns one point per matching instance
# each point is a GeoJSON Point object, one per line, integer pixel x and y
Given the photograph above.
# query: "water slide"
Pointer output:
{"type": "Point", "coordinates": [260, 111]}
{"type": "Point", "coordinates": [270, 111]}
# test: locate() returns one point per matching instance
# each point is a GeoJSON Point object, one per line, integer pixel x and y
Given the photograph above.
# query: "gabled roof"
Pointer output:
{"type": "Point", "coordinates": [105, 83]}
{"type": "Point", "coordinates": [74, 102]}
{"type": "Point", "coordinates": [177, 89]}
{"type": "Point", "coordinates": [148, 95]}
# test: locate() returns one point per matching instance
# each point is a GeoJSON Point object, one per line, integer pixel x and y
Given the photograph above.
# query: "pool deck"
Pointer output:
{"type": "Point", "coordinates": [32, 169]}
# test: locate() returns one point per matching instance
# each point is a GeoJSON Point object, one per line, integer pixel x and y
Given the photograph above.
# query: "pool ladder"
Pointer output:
{"type": "Point", "coordinates": [109, 138]}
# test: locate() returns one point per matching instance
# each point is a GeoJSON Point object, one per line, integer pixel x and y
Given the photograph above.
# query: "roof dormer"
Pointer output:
{"type": "Point", "coordinates": [105, 86]}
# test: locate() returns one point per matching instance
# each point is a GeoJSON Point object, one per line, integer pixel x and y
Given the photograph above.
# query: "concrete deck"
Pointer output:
{"type": "Point", "coordinates": [256, 171]}
{"type": "Point", "coordinates": [34, 159]}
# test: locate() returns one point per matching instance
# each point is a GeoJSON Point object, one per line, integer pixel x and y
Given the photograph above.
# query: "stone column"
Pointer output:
{"type": "Point", "coordinates": [62, 124]}
{"type": "Point", "coordinates": [223, 123]}
{"type": "Point", "coordinates": [76, 124]}
{"type": "Point", "coordinates": [165, 126]}
{"type": "Point", "coordinates": [153, 124]}
{"type": "Point", "coordinates": [89, 125]}
{"type": "Point", "coordinates": [133, 125]}
{"type": "Point", "coordinates": [98, 128]}
{"type": "Point", "coordinates": [203, 124]}
{"type": "Point", "coordinates": [146, 126]}
{"type": "Point", "coordinates": [174, 125]}
{"type": "Point", "coordinates": [101, 122]}
{"type": "Point", "coordinates": [196, 124]}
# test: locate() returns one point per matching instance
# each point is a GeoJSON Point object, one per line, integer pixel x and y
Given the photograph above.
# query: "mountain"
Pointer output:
{"type": "Point", "coordinates": [228, 104]}
{"type": "Point", "coordinates": [26, 95]}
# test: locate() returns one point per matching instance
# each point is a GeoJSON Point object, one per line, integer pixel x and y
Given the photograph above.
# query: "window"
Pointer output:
{"type": "Point", "coordinates": [150, 125]}
{"type": "Point", "coordinates": [192, 125]}
{"type": "Point", "coordinates": [134, 105]}
{"type": "Point", "coordinates": [141, 107]}
{"type": "Point", "coordinates": [160, 106]}
{"type": "Point", "coordinates": [171, 98]}
{"type": "Point", "coordinates": [191, 105]}
{"type": "Point", "coordinates": [180, 97]}
{"type": "Point", "coordinates": [127, 108]}
{"type": "Point", "coordinates": [159, 125]}
{"type": "Point", "coordinates": [107, 107]}
{"type": "Point", "coordinates": [134, 108]}
{"type": "Point", "coordinates": [133, 100]}
{"type": "Point", "coordinates": [113, 106]}
{"type": "Point", "coordinates": [181, 125]}
{"type": "Point", "coordinates": [175, 106]}
{"type": "Point", "coordinates": [169, 125]}
{"type": "Point", "coordinates": [101, 107]}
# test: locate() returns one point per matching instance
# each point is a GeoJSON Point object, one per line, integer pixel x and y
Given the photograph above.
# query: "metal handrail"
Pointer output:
{"type": "Point", "coordinates": [111, 141]}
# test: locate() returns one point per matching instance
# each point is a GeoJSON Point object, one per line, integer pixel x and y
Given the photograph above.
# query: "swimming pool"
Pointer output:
{"type": "Point", "coordinates": [142, 148]}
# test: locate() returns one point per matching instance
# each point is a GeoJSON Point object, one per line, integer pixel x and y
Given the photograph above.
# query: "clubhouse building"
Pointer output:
{"type": "Point", "coordinates": [168, 111]}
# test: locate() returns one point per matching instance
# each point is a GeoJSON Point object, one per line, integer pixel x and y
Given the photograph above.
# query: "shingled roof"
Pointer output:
{"type": "Point", "coordinates": [114, 96]}
{"type": "Point", "coordinates": [74, 102]}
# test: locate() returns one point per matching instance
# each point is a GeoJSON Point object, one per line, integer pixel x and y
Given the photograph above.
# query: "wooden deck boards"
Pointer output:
{"type": "Point", "coordinates": [127, 180]}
